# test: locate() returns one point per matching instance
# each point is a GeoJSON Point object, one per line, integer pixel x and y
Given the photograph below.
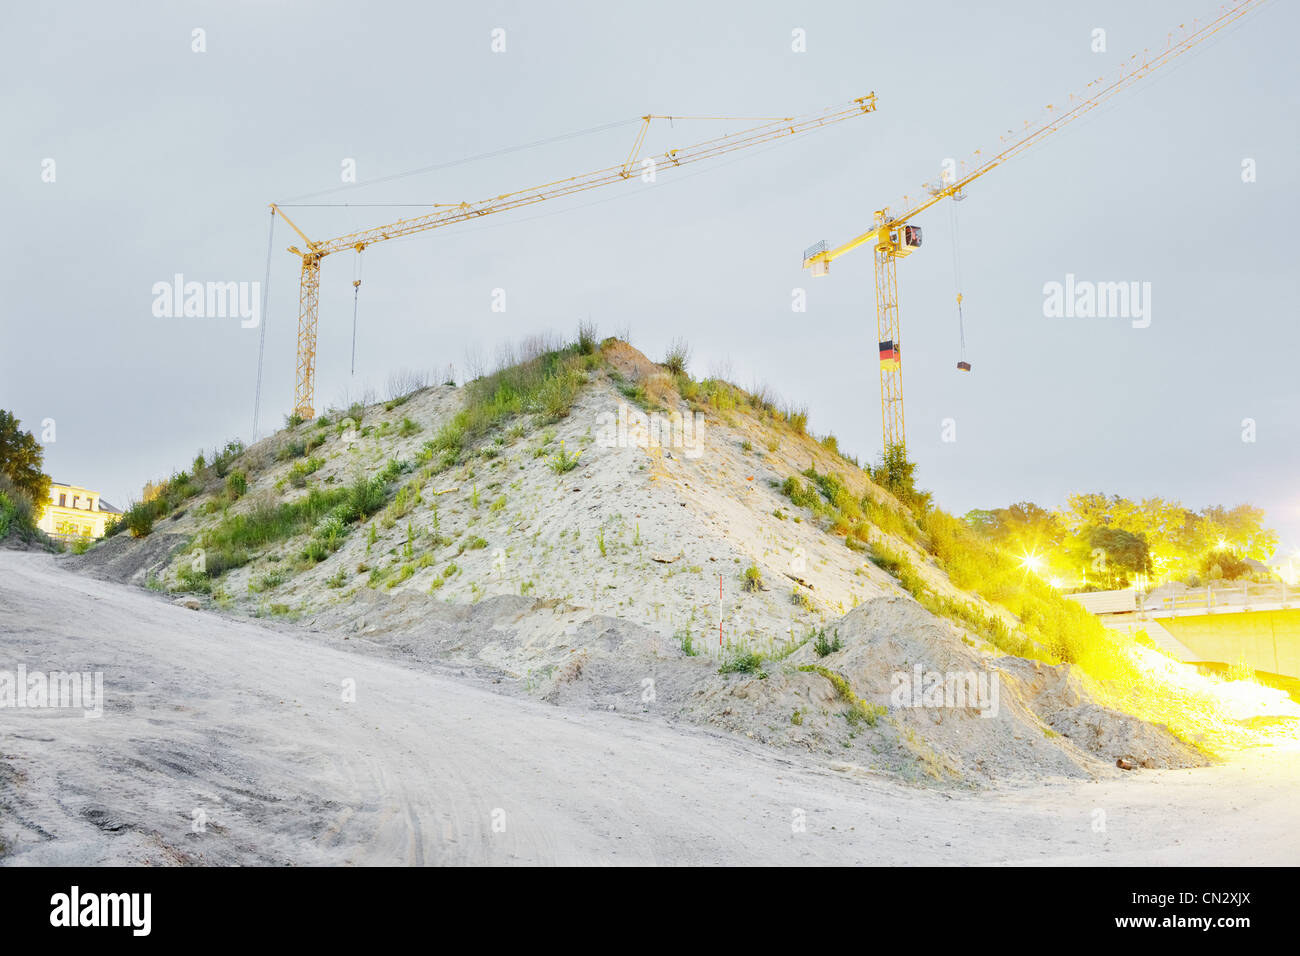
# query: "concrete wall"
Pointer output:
{"type": "Point", "coordinates": [1266, 640]}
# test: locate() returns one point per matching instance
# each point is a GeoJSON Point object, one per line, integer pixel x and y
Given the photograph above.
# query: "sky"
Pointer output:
{"type": "Point", "coordinates": [131, 155]}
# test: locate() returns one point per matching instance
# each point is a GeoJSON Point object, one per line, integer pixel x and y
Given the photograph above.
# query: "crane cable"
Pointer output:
{"type": "Point", "coordinates": [956, 279]}
{"type": "Point", "coordinates": [261, 344]}
{"type": "Point", "coordinates": [356, 291]}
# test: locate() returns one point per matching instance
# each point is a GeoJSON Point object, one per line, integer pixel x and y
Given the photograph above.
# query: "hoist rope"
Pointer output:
{"type": "Point", "coordinates": [356, 291]}
{"type": "Point", "coordinates": [956, 278]}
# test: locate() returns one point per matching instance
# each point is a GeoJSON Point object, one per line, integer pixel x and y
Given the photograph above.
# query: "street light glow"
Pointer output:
{"type": "Point", "coordinates": [1032, 562]}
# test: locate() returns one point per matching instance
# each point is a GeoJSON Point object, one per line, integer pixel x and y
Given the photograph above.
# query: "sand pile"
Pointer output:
{"type": "Point", "coordinates": [1058, 696]}
{"type": "Point", "coordinates": [604, 584]}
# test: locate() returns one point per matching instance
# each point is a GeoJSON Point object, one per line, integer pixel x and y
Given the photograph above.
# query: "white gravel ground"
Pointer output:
{"type": "Point", "coordinates": [247, 727]}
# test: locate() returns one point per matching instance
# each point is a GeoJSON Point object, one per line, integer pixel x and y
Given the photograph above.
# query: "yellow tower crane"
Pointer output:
{"type": "Point", "coordinates": [313, 251]}
{"type": "Point", "coordinates": [892, 238]}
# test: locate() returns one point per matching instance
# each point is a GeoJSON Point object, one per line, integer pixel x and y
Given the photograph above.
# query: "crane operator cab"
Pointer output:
{"type": "Point", "coordinates": [902, 241]}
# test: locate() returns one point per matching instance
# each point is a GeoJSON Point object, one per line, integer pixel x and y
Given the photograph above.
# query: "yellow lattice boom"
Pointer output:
{"type": "Point", "coordinates": [891, 238]}
{"type": "Point", "coordinates": [767, 130]}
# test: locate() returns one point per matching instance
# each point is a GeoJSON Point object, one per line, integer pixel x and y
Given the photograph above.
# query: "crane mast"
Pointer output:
{"type": "Point", "coordinates": [313, 251]}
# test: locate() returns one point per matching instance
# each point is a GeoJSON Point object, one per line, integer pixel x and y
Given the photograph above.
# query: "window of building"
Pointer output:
{"type": "Point", "coordinates": [75, 499]}
{"type": "Point", "coordinates": [90, 504]}
{"type": "Point", "coordinates": [63, 501]}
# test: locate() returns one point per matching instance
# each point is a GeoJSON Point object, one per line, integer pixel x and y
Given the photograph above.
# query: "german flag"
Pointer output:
{"type": "Point", "coordinates": [889, 357]}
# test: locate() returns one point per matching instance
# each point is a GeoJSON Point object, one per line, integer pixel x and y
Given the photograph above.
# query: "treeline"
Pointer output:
{"type": "Point", "coordinates": [1107, 541]}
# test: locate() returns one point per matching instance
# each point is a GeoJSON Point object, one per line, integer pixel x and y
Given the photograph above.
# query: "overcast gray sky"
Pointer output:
{"type": "Point", "coordinates": [165, 159]}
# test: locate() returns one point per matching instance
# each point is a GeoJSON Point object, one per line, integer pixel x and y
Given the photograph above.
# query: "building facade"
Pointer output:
{"type": "Point", "coordinates": [75, 512]}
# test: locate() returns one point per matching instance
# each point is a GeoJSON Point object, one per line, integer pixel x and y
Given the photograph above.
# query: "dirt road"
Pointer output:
{"type": "Point", "coordinates": [228, 742]}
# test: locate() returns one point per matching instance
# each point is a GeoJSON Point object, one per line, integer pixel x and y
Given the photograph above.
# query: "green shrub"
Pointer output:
{"type": "Point", "coordinates": [163, 499]}
{"type": "Point", "coordinates": [803, 496]}
{"type": "Point", "coordinates": [237, 536]}
{"type": "Point", "coordinates": [365, 497]}
{"type": "Point", "coordinates": [824, 645]}
{"type": "Point", "coordinates": [300, 470]}
{"type": "Point", "coordinates": [403, 573]}
{"type": "Point", "coordinates": [896, 473]}
{"type": "Point", "coordinates": [393, 470]}
{"type": "Point", "coordinates": [316, 551]}
{"type": "Point", "coordinates": [887, 560]}
{"type": "Point", "coordinates": [721, 395]}
{"type": "Point", "coordinates": [887, 518]}
{"type": "Point", "coordinates": [546, 385]}
{"type": "Point", "coordinates": [742, 662]}
{"type": "Point", "coordinates": [195, 581]}
{"type": "Point", "coordinates": [859, 710]}
{"type": "Point", "coordinates": [562, 462]}
{"type": "Point", "coordinates": [17, 515]}
{"type": "Point", "coordinates": [752, 578]}
{"type": "Point", "coordinates": [138, 519]}
{"type": "Point", "coordinates": [223, 459]}
{"type": "Point", "coordinates": [678, 357]}
{"type": "Point", "coordinates": [9, 518]}
{"type": "Point", "coordinates": [291, 448]}
{"type": "Point", "coordinates": [1224, 565]}
{"type": "Point", "coordinates": [408, 496]}
{"type": "Point", "coordinates": [586, 338]}
{"type": "Point", "coordinates": [266, 582]}
{"type": "Point", "coordinates": [236, 484]}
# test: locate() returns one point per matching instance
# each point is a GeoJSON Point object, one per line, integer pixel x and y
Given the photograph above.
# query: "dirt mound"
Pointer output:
{"type": "Point", "coordinates": [1058, 695]}
{"type": "Point", "coordinates": [927, 705]}
{"type": "Point", "coordinates": [592, 558]}
{"type": "Point", "coordinates": [128, 560]}
{"type": "Point", "coordinates": [630, 363]}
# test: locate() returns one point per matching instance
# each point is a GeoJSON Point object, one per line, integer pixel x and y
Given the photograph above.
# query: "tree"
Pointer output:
{"type": "Point", "coordinates": [897, 475]}
{"type": "Point", "coordinates": [982, 522]}
{"type": "Point", "coordinates": [1229, 566]}
{"type": "Point", "coordinates": [1125, 553]}
{"type": "Point", "coordinates": [1087, 511]}
{"type": "Point", "coordinates": [22, 459]}
{"type": "Point", "coordinates": [1241, 529]}
{"type": "Point", "coordinates": [1028, 529]}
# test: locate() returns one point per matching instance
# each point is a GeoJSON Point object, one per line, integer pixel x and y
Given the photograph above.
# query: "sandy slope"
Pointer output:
{"type": "Point", "coordinates": [248, 724]}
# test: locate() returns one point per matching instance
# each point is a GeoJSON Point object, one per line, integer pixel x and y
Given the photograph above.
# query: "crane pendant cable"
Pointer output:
{"type": "Point", "coordinates": [261, 341]}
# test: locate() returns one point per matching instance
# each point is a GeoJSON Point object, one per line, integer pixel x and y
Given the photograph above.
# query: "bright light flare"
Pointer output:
{"type": "Point", "coordinates": [1235, 699]}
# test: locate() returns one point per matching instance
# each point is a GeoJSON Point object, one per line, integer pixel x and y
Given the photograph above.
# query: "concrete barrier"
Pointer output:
{"type": "Point", "coordinates": [1107, 602]}
{"type": "Point", "coordinates": [1266, 640]}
